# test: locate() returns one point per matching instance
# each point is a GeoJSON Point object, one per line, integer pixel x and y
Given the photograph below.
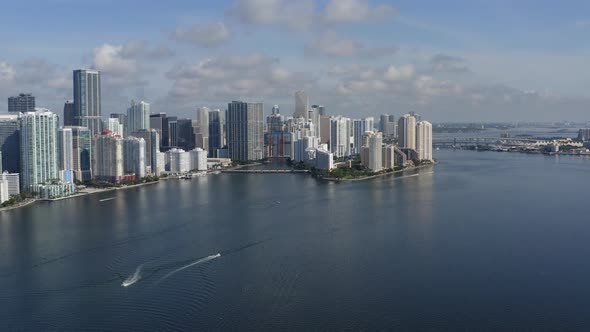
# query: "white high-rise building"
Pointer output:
{"type": "Point", "coordinates": [201, 128]}
{"type": "Point", "coordinates": [134, 160]}
{"type": "Point", "coordinates": [66, 154]}
{"type": "Point", "coordinates": [324, 159]}
{"type": "Point", "coordinates": [301, 105]}
{"type": "Point", "coordinates": [198, 159]}
{"type": "Point", "coordinates": [340, 133]}
{"type": "Point", "coordinates": [138, 116]}
{"type": "Point", "coordinates": [114, 126]}
{"type": "Point", "coordinates": [407, 132]}
{"type": "Point", "coordinates": [388, 156]}
{"type": "Point", "coordinates": [38, 148]}
{"type": "Point", "coordinates": [108, 158]}
{"type": "Point", "coordinates": [424, 140]}
{"type": "Point", "coordinates": [360, 126]}
{"type": "Point", "coordinates": [178, 161]}
{"type": "Point", "coordinates": [375, 152]}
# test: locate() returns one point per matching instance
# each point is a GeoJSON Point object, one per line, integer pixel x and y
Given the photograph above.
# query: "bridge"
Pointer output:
{"type": "Point", "coordinates": [455, 142]}
{"type": "Point", "coordinates": [261, 171]}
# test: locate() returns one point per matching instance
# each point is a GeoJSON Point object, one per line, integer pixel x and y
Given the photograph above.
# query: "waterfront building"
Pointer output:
{"type": "Point", "coordinates": [198, 159]}
{"type": "Point", "coordinates": [178, 161]}
{"type": "Point", "coordinates": [134, 160]}
{"type": "Point", "coordinates": [201, 128]}
{"type": "Point", "coordinates": [360, 126]}
{"type": "Point", "coordinates": [584, 134]}
{"type": "Point", "coordinates": [12, 181]}
{"type": "Point", "coordinates": [407, 132]}
{"type": "Point", "coordinates": [10, 142]}
{"type": "Point", "coordinates": [108, 157]}
{"type": "Point", "coordinates": [138, 116]}
{"type": "Point", "coordinates": [87, 100]}
{"type": "Point", "coordinates": [38, 148]}
{"type": "Point", "coordinates": [161, 161]}
{"type": "Point", "coordinates": [304, 148]}
{"type": "Point", "coordinates": [66, 154]}
{"type": "Point", "coordinates": [69, 115]}
{"type": "Point", "coordinates": [24, 102]}
{"type": "Point", "coordinates": [245, 126]}
{"type": "Point", "coordinates": [375, 152]}
{"type": "Point", "coordinates": [424, 140]}
{"type": "Point", "coordinates": [55, 190]}
{"type": "Point", "coordinates": [152, 147]}
{"type": "Point", "coordinates": [3, 191]}
{"type": "Point", "coordinates": [340, 131]}
{"type": "Point", "coordinates": [81, 153]}
{"type": "Point", "coordinates": [301, 105]}
{"type": "Point", "coordinates": [388, 156]}
{"type": "Point", "coordinates": [216, 131]}
{"type": "Point", "coordinates": [324, 159]}
{"type": "Point", "coordinates": [115, 127]}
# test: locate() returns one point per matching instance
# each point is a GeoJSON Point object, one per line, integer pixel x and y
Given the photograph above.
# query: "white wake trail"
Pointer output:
{"type": "Point", "coordinates": [197, 262]}
{"type": "Point", "coordinates": [133, 278]}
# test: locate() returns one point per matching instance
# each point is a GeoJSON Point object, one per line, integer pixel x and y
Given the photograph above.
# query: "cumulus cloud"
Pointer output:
{"type": "Point", "coordinates": [292, 14]}
{"type": "Point", "coordinates": [7, 72]}
{"type": "Point", "coordinates": [331, 44]}
{"type": "Point", "coordinates": [355, 11]}
{"type": "Point", "coordinates": [206, 35]}
{"type": "Point", "coordinates": [448, 63]}
{"type": "Point", "coordinates": [111, 59]}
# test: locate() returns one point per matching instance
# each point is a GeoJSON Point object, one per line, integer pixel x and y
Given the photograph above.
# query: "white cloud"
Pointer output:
{"type": "Point", "coordinates": [393, 73]}
{"type": "Point", "coordinates": [7, 72]}
{"type": "Point", "coordinates": [355, 11]}
{"type": "Point", "coordinates": [206, 35]}
{"type": "Point", "coordinates": [331, 44]}
{"type": "Point", "coordinates": [111, 60]}
{"type": "Point", "coordinates": [297, 14]}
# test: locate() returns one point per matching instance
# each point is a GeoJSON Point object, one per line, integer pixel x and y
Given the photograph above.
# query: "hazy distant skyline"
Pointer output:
{"type": "Point", "coordinates": [450, 61]}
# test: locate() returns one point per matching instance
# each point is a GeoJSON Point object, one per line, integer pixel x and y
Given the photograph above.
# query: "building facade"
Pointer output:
{"type": "Point", "coordinates": [10, 142]}
{"type": "Point", "coordinates": [424, 140]}
{"type": "Point", "coordinates": [245, 127]}
{"type": "Point", "coordinates": [108, 158]}
{"type": "Point", "coordinates": [24, 102]}
{"type": "Point", "coordinates": [407, 132]}
{"type": "Point", "coordinates": [87, 100]}
{"type": "Point", "coordinates": [138, 116]}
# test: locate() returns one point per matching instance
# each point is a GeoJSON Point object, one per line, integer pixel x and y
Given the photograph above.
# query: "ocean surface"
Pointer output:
{"type": "Point", "coordinates": [482, 241]}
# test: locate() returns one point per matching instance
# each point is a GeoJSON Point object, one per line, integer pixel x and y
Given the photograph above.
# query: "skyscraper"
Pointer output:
{"type": "Point", "coordinates": [245, 126]}
{"type": "Point", "coordinates": [66, 154]}
{"type": "Point", "coordinates": [134, 160]}
{"type": "Point", "coordinates": [82, 153]}
{"type": "Point", "coordinates": [359, 129]}
{"type": "Point", "coordinates": [407, 132]}
{"type": "Point", "coordinates": [24, 102]}
{"type": "Point", "coordinates": [69, 116]}
{"type": "Point", "coordinates": [375, 152]}
{"type": "Point", "coordinates": [172, 122]}
{"type": "Point", "coordinates": [9, 142]}
{"type": "Point", "coordinates": [152, 148]}
{"type": "Point", "coordinates": [138, 116]}
{"type": "Point", "coordinates": [115, 126]}
{"type": "Point", "coordinates": [159, 122]}
{"type": "Point", "coordinates": [424, 140]}
{"type": "Point", "coordinates": [87, 99]}
{"type": "Point", "coordinates": [387, 124]}
{"type": "Point", "coordinates": [38, 148]}
{"type": "Point", "coordinates": [216, 131]}
{"type": "Point", "coordinates": [301, 105]}
{"type": "Point", "coordinates": [185, 135]}
{"type": "Point", "coordinates": [202, 128]}
{"type": "Point", "coordinates": [108, 157]}
{"type": "Point", "coordinates": [340, 134]}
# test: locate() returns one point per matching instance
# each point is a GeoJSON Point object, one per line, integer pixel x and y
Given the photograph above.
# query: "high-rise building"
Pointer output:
{"type": "Point", "coordinates": [38, 148]}
{"type": "Point", "coordinates": [138, 116]}
{"type": "Point", "coordinates": [82, 153]}
{"type": "Point", "coordinates": [388, 156]}
{"type": "Point", "coordinates": [185, 135]}
{"type": "Point", "coordinates": [216, 131]}
{"type": "Point", "coordinates": [87, 100]}
{"type": "Point", "coordinates": [424, 140]}
{"type": "Point", "coordinates": [245, 126]}
{"type": "Point", "coordinates": [276, 137]}
{"type": "Point", "coordinates": [122, 118]}
{"type": "Point", "coordinates": [301, 105]}
{"type": "Point", "coordinates": [66, 154]}
{"type": "Point", "coordinates": [407, 132]}
{"type": "Point", "coordinates": [115, 126]}
{"type": "Point", "coordinates": [134, 160]}
{"type": "Point", "coordinates": [152, 147]}
{"type": "Point", "coordinates": [584, 134]}
{"type": "Point", "coordinates": [202, 128]}
{"type": "Point", "coordinates": [324, 159]}
{"type": "Point", "coordinates": [12, 181]}
{"type": "Point", "coordinates": [178, 161]}
{"type": "Point", "coordinates": [24, 102]}
{"type": "Point", "coordinates": [387, 125]}
{"type": "Point", "coordinates": [69, 116]}
{"type": "Point", "coordinates": [325, 129]}
{"type": "Point", "coordinates": [108, 157]}
{"type": "Point", "coordinates": [340, 133]}
{"type": "Point", "coordinates": [198, 158]}
{"type": "Point", "coordinates": [10, 142]}
{"type": "Point", "coordinates": [360, 126]}
{"type": "Point", "coordinates": [159, 122]}
{"type": "Point", "coordinates": [172, 131]}
{"type": "Point", "coordinates": [375, 152]}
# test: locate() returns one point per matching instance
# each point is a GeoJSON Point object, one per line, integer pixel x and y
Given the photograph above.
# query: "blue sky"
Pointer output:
{"type": "Point", "coordinates": [449, 60]}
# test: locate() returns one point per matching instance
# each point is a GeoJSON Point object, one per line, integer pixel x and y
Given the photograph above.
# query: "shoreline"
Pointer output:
{"type": "Point", "coordinates": [376, 175]}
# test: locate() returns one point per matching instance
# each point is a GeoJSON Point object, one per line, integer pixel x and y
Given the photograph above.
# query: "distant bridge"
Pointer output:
{"type": "Point", "coordinates": [265, 171]}
{"type": "Point", "coordinates": [475, 141]}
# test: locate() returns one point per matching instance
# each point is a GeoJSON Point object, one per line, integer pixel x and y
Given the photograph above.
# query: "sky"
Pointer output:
{"type": "Point", "coordinates": [453, 60]}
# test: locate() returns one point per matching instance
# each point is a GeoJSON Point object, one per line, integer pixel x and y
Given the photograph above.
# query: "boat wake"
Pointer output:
{"type": "Point", "coordinates": [106, 199]}
{"type": "Point", "coordinates": [197, 262]}
{"type": "Point", "coordinates": [133, 278]}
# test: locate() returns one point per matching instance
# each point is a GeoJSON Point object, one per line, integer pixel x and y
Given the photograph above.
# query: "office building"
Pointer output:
{"type": "Point", "coordinates": [69, 116]}
{"type": "Point", "coordinates": [38, 148]}
{"type": "Point", "coordinates": [159, 122]}
{"type": "Point", "coordinates": [66, 154]}
{"type": "Point", "coordinates": [424, 140]}
{"type": "Point", "coordinates": [185, 136]}
{"type": "Point", "coordinates": [407, 132]}
{"type": "Point", "coordinates": [10, 142]}
{"type": "Point", "coordinates": [152, 147]}
{"type": "Point", "coordinates": [87, 100]}
{"type": "Point", "coordinates": [245, 126]}
{"type": "Point", "coordinates": [301, 105]}
{"type": "Point", "coordinates": [81, 153]}
{"type": "Point", "coordinates": [24, 102]}
{"type": "Point", "coordinates": [138, 116]}
{"type": "Point", "coordinates": [134, 160]}
{"type": "Point", "coordinates": [201, 128]}
{"type": "Point", "coordinates": [108, 158]}
{"type": "Point", "coordinates": [172, 132]}
{"type": "Point", "coordinates": [216, 131]}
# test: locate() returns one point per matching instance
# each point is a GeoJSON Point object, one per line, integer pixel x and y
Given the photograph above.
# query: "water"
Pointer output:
{"type": "Point", "coordinates": [484, 241]}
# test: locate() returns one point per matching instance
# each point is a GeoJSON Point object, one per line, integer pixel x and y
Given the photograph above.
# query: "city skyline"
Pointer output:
{"type": "Point", "coordinates": [360, 57]}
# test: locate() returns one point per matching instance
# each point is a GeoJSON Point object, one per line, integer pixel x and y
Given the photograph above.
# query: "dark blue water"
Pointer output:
{"type": "Point", "coordinates": [483, 241]}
